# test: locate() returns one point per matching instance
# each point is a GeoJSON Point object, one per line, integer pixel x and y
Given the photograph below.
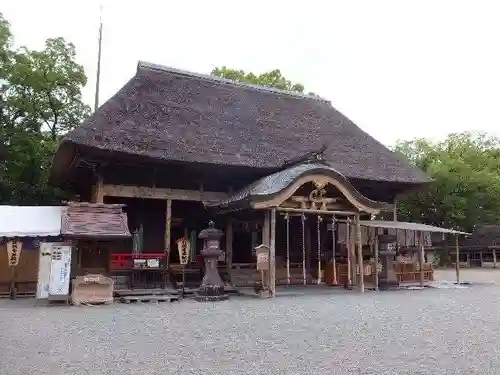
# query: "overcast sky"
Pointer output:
{"type": "Point", "coordinates": [399, 69]}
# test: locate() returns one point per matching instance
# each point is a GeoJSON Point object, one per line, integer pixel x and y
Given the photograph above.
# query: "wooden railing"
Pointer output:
{"type": "Point", "coordinates": [410, 273]}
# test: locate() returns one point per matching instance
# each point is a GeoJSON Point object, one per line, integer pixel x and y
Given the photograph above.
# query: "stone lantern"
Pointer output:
{"type": "Point", "coordinates": [387, 252]}
{"type": "Point", "coordinates": [212, 286]}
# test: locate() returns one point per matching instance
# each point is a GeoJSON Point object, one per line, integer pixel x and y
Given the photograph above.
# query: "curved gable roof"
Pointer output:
{"type": "Point", "coordinates": [171, 115]}
{"type": "Point", "coordinates": [269, 186]}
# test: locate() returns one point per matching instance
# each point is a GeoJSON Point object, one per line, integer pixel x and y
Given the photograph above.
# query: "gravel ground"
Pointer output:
{"type": "Point", "coordinates": [322, 331]}
{"type": "Point", "coordinates": [473, 275]}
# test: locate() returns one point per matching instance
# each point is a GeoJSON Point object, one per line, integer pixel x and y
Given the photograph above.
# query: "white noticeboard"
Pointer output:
{"type": "Point", "coordinates": [60, 269]}
{"type": "Point", "coordinates": [44, 261]}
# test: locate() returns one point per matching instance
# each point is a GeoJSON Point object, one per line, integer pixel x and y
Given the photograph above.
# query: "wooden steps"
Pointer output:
{"type": "Point", "coordinates": [148, 299]}
{"type": "Point", "coordinates": [248, 277]}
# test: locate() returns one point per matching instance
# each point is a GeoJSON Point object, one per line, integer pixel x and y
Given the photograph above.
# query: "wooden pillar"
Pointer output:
{"type": "Point", "coordinates": [334, 261]}
{"type": "Point", "coordinates": [98, 191]}
{"type": "Point", "coordinates": [494, 258]}
{"type": "Point", "coordinates": [168, 224]}
{"type": "Point", "coordinates": [457, 259]}
{"type": "Point", "coordinates": [348, 249]}
{"type": "Point", "coordinates": [319, 278]}
{"type": "Point", "coordinates": [395, 210]}
{"type": "Point", "coordinates": [265, 228]}
{"type": "Point", "coordinates": [361, 281]}
{"type": "Point", "coordinates": [272, 254]}
{"type": "Point", "coordinates": [229, 249]}
{"type": "Point", "coordinates": [304, 272]}
{"type": "Point", "coordinates": [308, 244]}
{"type": "Point", "coordinates": [266, 238]}
{"type": "Point", "coordinates": [421, 258]}
{"type": "Point", "coordinates": [375, 232]}
{"type": "Point", "coordinates": [481, 259]}
{"type": "Point", "coordinates": [352, 249]}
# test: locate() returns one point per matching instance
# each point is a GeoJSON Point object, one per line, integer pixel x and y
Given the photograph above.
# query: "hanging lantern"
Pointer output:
{"type": "Point", "coordinates": [183, 247]}
{"type": "Point", "coordinates": [14, 252]}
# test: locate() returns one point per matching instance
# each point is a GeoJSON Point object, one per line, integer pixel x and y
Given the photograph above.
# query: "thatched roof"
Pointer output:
{"type": "Point", "coordinates": [171, 115]}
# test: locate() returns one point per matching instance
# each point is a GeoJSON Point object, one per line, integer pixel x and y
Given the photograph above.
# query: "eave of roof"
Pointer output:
{"type": "Point", "coordinates": [402, 225]}
{"type": "Point", "coordinates": [30, 221]}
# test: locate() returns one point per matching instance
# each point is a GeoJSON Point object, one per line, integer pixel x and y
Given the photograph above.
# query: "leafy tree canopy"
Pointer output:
{"type": "Point", "coordinates": [274, 79]}
{"type": "Point", "coordinates": [40, 99]}
{"type": "Point", "coordinates": [466, 172]}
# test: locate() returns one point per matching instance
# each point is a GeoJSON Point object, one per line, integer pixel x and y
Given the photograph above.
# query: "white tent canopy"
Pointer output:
{"type": "Point", "coordinates": [402, 225]}
{"type": "Point", "coordinates": [30, 221]}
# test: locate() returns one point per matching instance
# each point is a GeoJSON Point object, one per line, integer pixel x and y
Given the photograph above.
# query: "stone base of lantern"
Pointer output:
{"type": "Point", "coordinates": [211, 293]}
{"type": "Point", "coordinates": [387, 277]}
{"type": "Point", "coordinates": [264, 293]}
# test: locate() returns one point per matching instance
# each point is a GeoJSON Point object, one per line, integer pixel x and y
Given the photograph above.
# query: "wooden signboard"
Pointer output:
{"type": "Point", "coordinates": [183, 247]}
{"type": "Point", "coordinates": [44, 262]}
{"type": "Point", "coordinates": [14, 252]}
{"type": "Point", "coordinates": [262, 253]}
{"type": "Point", "coordinates": [60, 272]}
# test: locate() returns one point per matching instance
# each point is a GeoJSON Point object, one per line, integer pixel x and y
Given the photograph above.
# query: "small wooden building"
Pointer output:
{"type": "Point", "coordinates": [480, 249]}
{"type": "Point", "coordinates": [29, 225]}
{"type": "Point", "coordinates": [178, 149]}
{"type": "Point", "coordinates": [90, 228]}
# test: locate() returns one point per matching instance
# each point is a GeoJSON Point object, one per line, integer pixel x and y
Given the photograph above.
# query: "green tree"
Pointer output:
{"type": "Point", "coordinates": [466, 188]}
{"type": "Point", "coordinates": [274, 79]}
{"type": "Point", "coordinates": [40, 99]}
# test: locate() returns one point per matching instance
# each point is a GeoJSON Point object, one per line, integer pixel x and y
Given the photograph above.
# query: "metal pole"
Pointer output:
{"type": "Point", "coordinates": [183, 279]}
{"type": "Point", "coordinates": [13, 291]}
{"type": "Point", "coordinates": [98, 73]}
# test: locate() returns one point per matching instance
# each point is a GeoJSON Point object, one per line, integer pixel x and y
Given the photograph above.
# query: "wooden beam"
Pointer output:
{"type": "Point", "coordinates": [128, 191]}
{"type": "Point", "coordinates": [317, 212]}
{"type": "Point", "coordinates": [98, 191]}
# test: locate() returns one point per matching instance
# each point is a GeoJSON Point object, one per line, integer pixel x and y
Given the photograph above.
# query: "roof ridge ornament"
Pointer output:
{"type": "Point", "coordinates": [315, 156]}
